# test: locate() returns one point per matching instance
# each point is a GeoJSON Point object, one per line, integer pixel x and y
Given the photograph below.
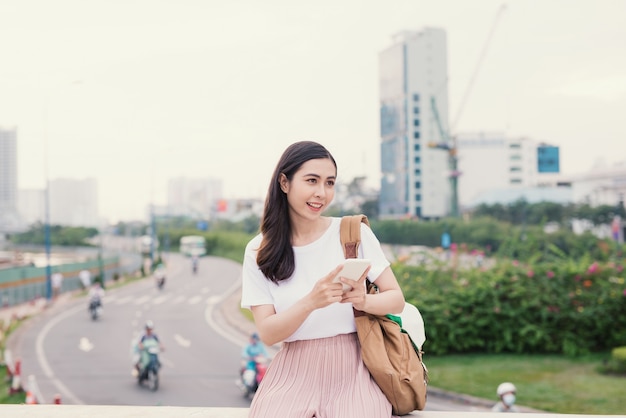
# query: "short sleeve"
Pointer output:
{"type": "Point", "coordinates": [255, 286]}
{"type": "Point", "coordinates": [370, 248]}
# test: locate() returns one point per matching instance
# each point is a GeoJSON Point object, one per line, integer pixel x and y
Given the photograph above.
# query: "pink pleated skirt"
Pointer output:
{"type": "Point", "coordinates": [321, 378]}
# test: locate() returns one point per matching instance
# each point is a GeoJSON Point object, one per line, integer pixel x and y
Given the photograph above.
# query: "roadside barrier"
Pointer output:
{"type": "Point", "coordinates": [33, 395]}
{"type": "Point", "coordinates": [16, 380]}
{"type": "Point", "coordinates": [30, 398]}
{"type": "Point", "coordinates": [14, 372]}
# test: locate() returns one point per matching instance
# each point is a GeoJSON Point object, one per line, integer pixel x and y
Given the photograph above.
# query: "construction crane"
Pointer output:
{"type": "Point", "coordinates": [448, 141]}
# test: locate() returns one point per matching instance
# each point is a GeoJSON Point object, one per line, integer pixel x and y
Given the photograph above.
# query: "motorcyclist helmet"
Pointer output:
{"type": "Point", "coordinates": [149, 325]}
{"type": "Point", "coordinates": [255, 336]}
{"type": "Point", "coordinates": [505, 388]}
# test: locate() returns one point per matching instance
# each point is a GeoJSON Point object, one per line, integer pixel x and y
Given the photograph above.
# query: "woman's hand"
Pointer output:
{"type": "Point", "coordinates": [356, 295]}
{"type": "Point", "coordinates": [325, 291]}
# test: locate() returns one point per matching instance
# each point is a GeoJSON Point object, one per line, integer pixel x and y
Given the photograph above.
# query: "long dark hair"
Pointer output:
{"type": "Point", "coordinates": [275, 257]}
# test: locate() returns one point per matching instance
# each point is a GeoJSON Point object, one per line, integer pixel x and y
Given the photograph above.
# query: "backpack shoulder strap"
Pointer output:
{"type": "Point", "coordinates": [350, 234]}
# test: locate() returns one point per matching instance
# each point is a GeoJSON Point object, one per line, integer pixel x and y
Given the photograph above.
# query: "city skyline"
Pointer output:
{"type": "Point", "coordinates": [137, 93]}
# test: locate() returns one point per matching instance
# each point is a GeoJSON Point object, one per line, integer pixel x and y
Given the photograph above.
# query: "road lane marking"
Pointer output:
{"type": "Point", "coordinates": [194, 300]}
{"type": "Point", "coordinates": [141, 300]}
{"type": "Point", "coordinates": [159, 300]}
{"type": "Point", "coordinates": [181, 341]}
{"type": "Point", "coordinates": [213, 300]}
{"type": "Point", "coordinates": [123, 300]}
{"type": "Point", "coordinates": [43, 361]}
{"type": "Point", "coordinates": [178, 299]}
{"type": "Point", "coordinates": [85, 345]}
{"type": "Point", "coordinates": [219, 328]}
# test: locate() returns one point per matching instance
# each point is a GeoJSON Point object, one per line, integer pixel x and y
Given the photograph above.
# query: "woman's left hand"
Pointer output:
{"type": "Point", "coordinates": [356, 295]}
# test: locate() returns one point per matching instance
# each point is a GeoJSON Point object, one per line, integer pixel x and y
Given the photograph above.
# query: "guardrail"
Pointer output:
{"type": "Point", "coordinates": [26, 283]}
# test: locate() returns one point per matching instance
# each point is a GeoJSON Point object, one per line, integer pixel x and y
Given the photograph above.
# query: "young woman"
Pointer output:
{"type": "Point", "coordinates": [288, 273]}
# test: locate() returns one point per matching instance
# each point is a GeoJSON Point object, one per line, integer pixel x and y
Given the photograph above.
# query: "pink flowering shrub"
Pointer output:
{"type": "Point", "coordinates": [570, 306]}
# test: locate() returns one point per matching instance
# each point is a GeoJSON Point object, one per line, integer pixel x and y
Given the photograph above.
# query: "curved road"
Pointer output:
{"type": "Point", "coordinates": [88, 362]}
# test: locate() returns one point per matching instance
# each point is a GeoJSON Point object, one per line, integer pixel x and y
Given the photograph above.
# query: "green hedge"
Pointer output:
{"type": "Point", "coordinates": [571, 307]}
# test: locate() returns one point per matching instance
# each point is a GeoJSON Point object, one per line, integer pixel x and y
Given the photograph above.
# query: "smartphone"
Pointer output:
{"type": "Point", "coordinates": [353, 269]}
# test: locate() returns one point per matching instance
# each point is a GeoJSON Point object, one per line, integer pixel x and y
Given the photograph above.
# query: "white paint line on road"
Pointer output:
{"type": "Point", "coordinates": [85, 345]}
{"type": "Point", "coordinates": [122, 300]}
{"type": "Point", "coordinates": [194, 300]}
{"type": "Point", "coordinates": [178, 299]}
{"type": "Point", "coordinates": [208, 315]}
{"type": "Point", "coordinates": [160, 299]}
{"type": "Point", "coordinates": [142, 299]}
{"type": "Point", "coordinates": [181, 341]}
{"type": "Point", "coordinates": [213, 300]}
{"type": "Point", "coordinates": [43, 361]}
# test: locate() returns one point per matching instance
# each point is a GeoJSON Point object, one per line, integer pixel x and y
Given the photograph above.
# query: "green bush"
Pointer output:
{"type": "Point", "coordinates": [617, 362]}
{"type": "Point", "coordinates": [571, 306]}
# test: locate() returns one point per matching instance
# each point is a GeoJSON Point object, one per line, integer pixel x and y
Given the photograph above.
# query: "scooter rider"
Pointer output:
{"type": "Point", "coordinates": [194, 263]}
{"type": "Point", "coordinates": [159, 275]}
{"type": "Point", "coordinates": [506, 392]}
{"type": "Point", "coordinates": [149, 334]}
{"type": "Point", "coordinates": [251, 351]}
{"type": "Point", "coordinates": [96, 293]}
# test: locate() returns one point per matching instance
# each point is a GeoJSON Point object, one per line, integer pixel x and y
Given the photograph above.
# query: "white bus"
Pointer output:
{"type": "Point", "coordinates": [191, 245]}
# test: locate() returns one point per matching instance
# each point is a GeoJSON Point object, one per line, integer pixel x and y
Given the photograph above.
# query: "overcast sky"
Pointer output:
{"type": "Point", "coordinates": [134, 92]}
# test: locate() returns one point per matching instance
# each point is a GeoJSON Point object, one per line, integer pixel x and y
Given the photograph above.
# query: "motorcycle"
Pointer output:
{"type": "Point", "coordinates": [159, 275]}
{"type": "Point", "coordinates": [95, 308]}
{"type": "Point", "coordinates": [252, 375]}
{"type": "Point", "coordinates": [149, 365]}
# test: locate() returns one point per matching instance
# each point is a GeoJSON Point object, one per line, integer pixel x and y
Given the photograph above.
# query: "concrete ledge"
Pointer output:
{"type": "Point", "coordinates": [96, 411]}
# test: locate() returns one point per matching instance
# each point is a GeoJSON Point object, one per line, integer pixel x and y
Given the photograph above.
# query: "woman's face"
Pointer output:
{"type": "Point", "coordinates": [312, 188]}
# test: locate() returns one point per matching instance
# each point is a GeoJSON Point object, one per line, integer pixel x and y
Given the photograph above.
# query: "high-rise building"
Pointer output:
{"type": "Point", "coordinates": [9, 219]}
{"type": "Point", "coordinates": [413, 113]}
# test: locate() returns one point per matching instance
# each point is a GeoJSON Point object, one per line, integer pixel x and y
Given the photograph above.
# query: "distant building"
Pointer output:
{"type": "Point", "coordinates": [197, 198]}
{"type": "Point", "coordinates": [496, 168]}
{"type": "Point", "coordinates": [413, 90]}
{"type": "Point", "coordinates": [31, 205]}
{"type": "Point", "coordinates": [9, 218]}
{"type": "Point", "coordinates": [602, 185]}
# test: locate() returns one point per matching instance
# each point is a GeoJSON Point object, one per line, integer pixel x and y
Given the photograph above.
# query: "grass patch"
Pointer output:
{"type": "Point", "coordinates": [551, 383]}
{"type": "Point", "coordinates": [5, 382]}
{"type": "Point", "coordinates": [5, 398]}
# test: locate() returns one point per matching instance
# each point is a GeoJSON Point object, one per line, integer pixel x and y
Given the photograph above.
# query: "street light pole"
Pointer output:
{"type": "Point", "coordinates": [47, 240]}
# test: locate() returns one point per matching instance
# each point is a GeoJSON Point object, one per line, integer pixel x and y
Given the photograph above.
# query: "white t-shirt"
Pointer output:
{"type": "Point", "coordinates": [312, 262]}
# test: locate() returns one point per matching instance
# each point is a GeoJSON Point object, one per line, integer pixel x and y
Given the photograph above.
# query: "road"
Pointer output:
{"type": "Point", "coordinates": [88, 362]}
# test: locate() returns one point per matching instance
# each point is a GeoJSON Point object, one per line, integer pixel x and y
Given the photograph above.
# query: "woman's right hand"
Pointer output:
{"type": "Point", "coordinates": [326, 291]}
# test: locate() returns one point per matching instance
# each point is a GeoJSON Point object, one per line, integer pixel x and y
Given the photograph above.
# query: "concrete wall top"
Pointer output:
{"type": "Point", "coordinates": [98, 411]}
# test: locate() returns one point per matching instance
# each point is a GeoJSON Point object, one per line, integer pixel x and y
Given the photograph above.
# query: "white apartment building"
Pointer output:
{"type": "Point", "coordinates": [602, 185]}
{"type": "Point", "coordinates": [413, 90]}
{"type": "Point", "coordinates": [74, 202]}
{"type": "Point", "coordinates": [193, 197]}
{"type": "Point", "coordinates": [491, 162]}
